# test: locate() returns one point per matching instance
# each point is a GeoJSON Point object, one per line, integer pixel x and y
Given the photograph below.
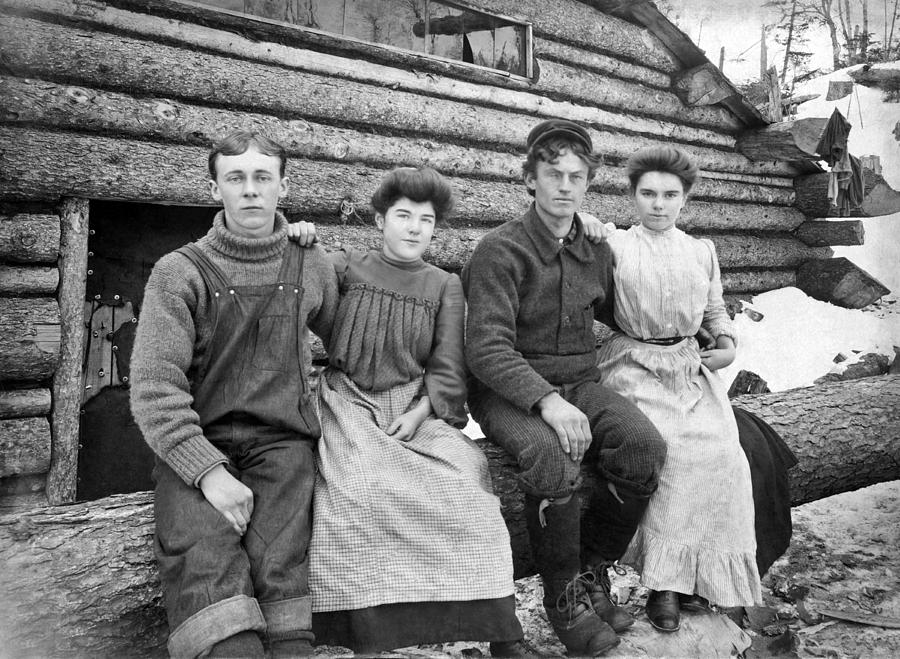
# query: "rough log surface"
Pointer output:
{"type": "Point", "coordinates": [18, 403]}
{"type": "Point", "coordinates": [24, 446]}
{"type": "Point", "coordinates": [175, 174]}
{"type": "Point", "coordinates": [787, 140]}
{"type": "Point", "coordinates": [546, 49]}
{"type": "Point", "coordinates": [80, 579]}
{"type": "Point", "coordinates": [67, 389]}
{"type": "Point", "coordinates": [839, 281]}
{"type": "Point", "coordinates": [388, 97]}
{"type": "Point", "coordinates": [28, 238]}
{"type": "Point", "coordinates": [820, 234]}
{"type": "Point", "coordinates": [39, 103]}
{"type": "Point", "coordinates": [879, 197]}
{"type": "Point", "coordinates": [28, 280]}
{"type": "Point", "coordinates": [29, 338]}
{"type": "Point", "coordinates": [702, 85]}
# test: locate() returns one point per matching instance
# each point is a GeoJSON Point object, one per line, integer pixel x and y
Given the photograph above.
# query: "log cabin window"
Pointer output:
{"type": "Point", "coordinates": [434, 27]}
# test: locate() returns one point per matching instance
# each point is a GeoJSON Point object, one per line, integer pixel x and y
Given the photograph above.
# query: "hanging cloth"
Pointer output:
{"type": "Point", "coordinates": [832, 145]}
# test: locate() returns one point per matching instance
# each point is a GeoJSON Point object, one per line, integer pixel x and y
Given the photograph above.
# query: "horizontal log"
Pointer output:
{"type": "Point", "coordinates": [819, 233]}
{"type": "Point", "coordinates": [319, 86]}
{"type": "Point", "coordinates": [29, 338]}
{"type": "Point", "coordinates": [701, 85]}
{"type": "Point", "coordinates": [786, 140]}
{"type": "Point", "coordinates": [757, 281]}
{"type": "Point", "coordinates": [840, 282]}
{"type": "Point", "coordinates": [40, 103]}
{"type": "Point", "coordinates": [879, 197]}
{"type": "Point", "coordinates": [846, 435]}
{"type": "Point", "coordinates": [19, 403]}
{"type": "Point", "coordinates": [24, 280]}
{"type": "Point", "coordinates": [81, 580]}
{"type": "Point", "coordinates": [175, 174]}
{"type": "Point", "coordinates": [24, 446]}
{"type": "Point", "coordinates": [558, 51]}
{"type": "Point", "coordinates": [26, 238]}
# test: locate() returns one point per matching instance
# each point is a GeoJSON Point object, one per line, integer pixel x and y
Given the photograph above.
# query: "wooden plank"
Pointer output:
{"type": "Point", "coordinates": [320, 86]}
{"type": "Point", "coordinates": [39, 103]}
{"type": "Point", "coordinates": [701, 85]}
{"type": "Point", "coordinates": [27, 238]}
{"type": "Point", "coordinates": [835, 232]}
{"type": "Point", "coordinates": [24, 280]}
{"type": "Point", "coordinates": [24, 446]}
{"type": "Point", "coordinates": [175, 174]}
{"type": "Point", "coordinates": [62, 479]}
{"type": "Point", "coordinates": [29, 338]}
{"type": "Point", "coordinates": [103, 320]}
{"type": "Point", "coordinates": [19, 403]}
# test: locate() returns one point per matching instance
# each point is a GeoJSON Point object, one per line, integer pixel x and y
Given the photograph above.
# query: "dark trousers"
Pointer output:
{"type": "Point", "coordinates": [217, 583]}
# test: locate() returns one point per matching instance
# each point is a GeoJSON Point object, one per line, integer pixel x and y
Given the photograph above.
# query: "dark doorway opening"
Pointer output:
{"type": "Point", "coordinates": [125, 241]}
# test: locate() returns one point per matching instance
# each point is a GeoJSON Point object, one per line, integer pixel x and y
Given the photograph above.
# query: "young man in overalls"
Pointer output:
{"type": "Point", "coordinates": [219, 389]}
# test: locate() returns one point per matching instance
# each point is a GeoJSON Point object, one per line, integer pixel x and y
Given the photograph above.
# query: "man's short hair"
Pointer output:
{"type": "Point", "coordinates": [238, 141]}
{"type": "Point", "coordinates": [418, 184]}
{"type": "Point", "coordinates": [668, 159]}
{"type": "Point", "coordinates": [549, 150]}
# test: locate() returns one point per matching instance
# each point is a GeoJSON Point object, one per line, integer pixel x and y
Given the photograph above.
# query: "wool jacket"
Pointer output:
{"type": "Point", "coordinates": [532, 299]}
{"type": "Point", "coordinates": [175, 328]}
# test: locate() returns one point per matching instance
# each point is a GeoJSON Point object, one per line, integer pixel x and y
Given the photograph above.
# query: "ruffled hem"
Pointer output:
{"type": "Point", "coordinates": [722, 577]}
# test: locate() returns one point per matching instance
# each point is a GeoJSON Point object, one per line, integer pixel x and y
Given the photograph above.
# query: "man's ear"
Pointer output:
{"type": "Point", "coordinates": [529, 179]}
{"type": "Point", "coordinates": [214, 190]}
{"type": "Point", "coordinates": [283, 186]}
{"type": "Point", "coordinates": [379, 221]}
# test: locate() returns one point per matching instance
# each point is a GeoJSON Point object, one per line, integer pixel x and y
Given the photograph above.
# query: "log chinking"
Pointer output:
{"type": "Point", "coordinates": [81, 579]}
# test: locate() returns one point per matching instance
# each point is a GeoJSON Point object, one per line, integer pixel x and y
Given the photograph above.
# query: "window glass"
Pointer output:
{"type": "Point", "coordinates": [425, 26]}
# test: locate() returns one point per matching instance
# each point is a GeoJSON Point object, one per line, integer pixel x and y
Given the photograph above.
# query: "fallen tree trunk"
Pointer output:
{"type": "Point", "coordinates": [80, 579]}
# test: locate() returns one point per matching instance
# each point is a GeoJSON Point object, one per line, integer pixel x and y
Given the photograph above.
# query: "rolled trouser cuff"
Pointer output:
{"type": "Point", "coordinates": [288, 619]}
{"type": "Point", "coordinates": [215, 623]}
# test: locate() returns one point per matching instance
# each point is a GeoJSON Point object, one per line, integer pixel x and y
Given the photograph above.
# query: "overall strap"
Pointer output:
{"type": "Point", "coordinates": [292, 263]}
{"type": "Point", "coordinates": [212, 274]}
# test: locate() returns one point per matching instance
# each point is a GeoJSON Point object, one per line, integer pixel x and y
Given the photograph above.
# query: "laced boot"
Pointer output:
{"type": "Point", "coordinates": [598, 586]}
{"type": "Point", "coordinates": [577, 625]}
{"type": "Point", "coordinates": [554, 529]}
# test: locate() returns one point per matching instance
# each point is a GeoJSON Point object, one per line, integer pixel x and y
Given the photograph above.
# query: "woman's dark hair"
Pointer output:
{"type": "Point", "coordinates": [238, 141]}
{"type": "Point", "coordinates": [549, 151]}
{"type": "Point", "coordinates": [418, 184]}
{"type": "Point", "coordinates": [662, 159]}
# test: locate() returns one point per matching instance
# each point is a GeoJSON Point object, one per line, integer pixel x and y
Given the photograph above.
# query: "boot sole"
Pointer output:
{"type": "Point", "coordinates": [665, 630]}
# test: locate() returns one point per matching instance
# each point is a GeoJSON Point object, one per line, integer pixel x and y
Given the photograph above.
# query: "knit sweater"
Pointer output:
{"type": "Point", "coordinates": [532, 300]}
{"type": "Point", "coordinates": [175, 330]}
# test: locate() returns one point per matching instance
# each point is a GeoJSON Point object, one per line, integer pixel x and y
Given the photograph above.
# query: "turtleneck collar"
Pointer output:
{"type": "Point", "coordinates": [403, 265]}
{"type": "Point", "coordinates": [247, 249]}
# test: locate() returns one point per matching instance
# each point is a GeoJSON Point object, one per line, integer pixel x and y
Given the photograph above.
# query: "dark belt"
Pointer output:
{"type": "Point", "coordinates": [670, 341]}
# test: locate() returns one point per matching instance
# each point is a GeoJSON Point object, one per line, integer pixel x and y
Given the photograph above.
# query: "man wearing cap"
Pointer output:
{"type": "Point", "coordinates": [534, 287]}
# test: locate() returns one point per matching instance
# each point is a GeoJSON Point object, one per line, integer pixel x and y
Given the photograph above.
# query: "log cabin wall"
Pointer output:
{"type": "Point", "coordinates": [120, 100]}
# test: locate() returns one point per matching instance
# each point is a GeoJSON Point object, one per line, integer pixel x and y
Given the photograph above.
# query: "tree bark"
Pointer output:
{"type": "Point", "coordinates": [29, 338]}
{"type": "Point", "coordinates": [787, 140]}
{"type": "Point", "coordinates": [28, 280]}
{"type": "Point", "coordinates": [19, 403]}
{"type": "Point", "coordinates": [879, 198]}
{"type": "Point", "coordinates": [175, 174]}
{"type": "Point", "coordinates": [80, 580]}
{"type": "Point", "coordinates": [45, 104]}
{"type": "Point", "coordinates": [67, 384]}
{"type": "Point", "coordinates": [28, 238]}
{"type": "Point", "coordinates": [24, 446]}
{"type": "Point", "coordinates": [820, 234]}
{"type": "Point", "coordinates": [319, 86]}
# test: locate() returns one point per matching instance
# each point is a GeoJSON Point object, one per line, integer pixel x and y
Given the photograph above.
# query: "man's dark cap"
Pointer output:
{"type": "Point", "coordinates": [559, 128]}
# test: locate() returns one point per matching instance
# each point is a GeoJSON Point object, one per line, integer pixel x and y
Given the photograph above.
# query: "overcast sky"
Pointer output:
{"type": "Point", "coordinates": [736, 25]}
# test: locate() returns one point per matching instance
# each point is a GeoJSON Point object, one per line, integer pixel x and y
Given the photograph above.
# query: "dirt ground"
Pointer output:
{"type": "Point", "coordinates": [844, 555]}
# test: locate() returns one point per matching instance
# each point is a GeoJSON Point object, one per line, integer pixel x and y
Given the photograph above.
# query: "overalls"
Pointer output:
{"type": "Point", "coordinates": [254, 405]}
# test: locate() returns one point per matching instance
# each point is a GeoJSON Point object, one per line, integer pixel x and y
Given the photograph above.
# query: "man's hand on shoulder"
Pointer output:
{"type": "Point", "coordinates": [229, 496]}
{"type": "Point", "coordinates": [595, 230]}
{"type": "Point", "coordinates": [570, 424]}
{"type": "Point", "coordinates": [302, 232]}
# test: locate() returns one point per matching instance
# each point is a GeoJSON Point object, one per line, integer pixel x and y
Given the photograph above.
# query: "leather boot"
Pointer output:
{"type": "Point", "coordinates": [598, 587]}
{"type": "Point", "coordinates": [609, 524]}
{"type": "Point", "coordinates": [554, 531]}
{"type": "Point", "coordinates": [662, 610]}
